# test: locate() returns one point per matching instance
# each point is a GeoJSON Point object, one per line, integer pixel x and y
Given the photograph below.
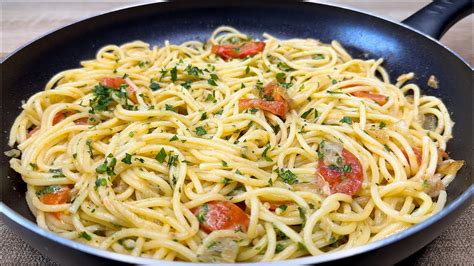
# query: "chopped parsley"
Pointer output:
{"type": "Point", "coordinates": [203, 116]}
{"type": "Point", "coordinates": [163, 73]}
{"type": "Point", "coordinates": [211, 97]}
{"type": "Point", "coordinates": [161, 156]}
{"type": "Point", "coordinates": [108, 165]}
{"type": "Point", "coordinates": [224, 163]}
{"type": "Point", "coordinates": [131, 134]}
{"type": "Point", "coordinates": [154, 86]}
{"type": "Point", "coordinates": [212, 82]}
{"type": "Point", "coordinates": [200, 131]}
{"type": "Point", "coordinates": [287, 176]}
{"type": "Point", "coordinates": [57, 173]}
{"type": "Point", "coordinates": [201, 215]}
{"type": "Point", "coordinates": [382, 125]}
{"type": "Point", "coordinates": [305, 114]}
{"type": "Point", "coordinates": [347, 168]}
{"type": "Point", "coordinates": [282, 207]}
{"type": "Point", "coordinates": [318, 57]}
{"type": "Point", "coordinates": [264, 154]}
{"type": "Point", "coordinates": [187, 84]}
{"type": "Point", "coordinates": [279, 248]}
{"type": "Point", "coordinates": [49, 190]}
{"type": "Point", "coordinates": [280, 77]}
{"type": "Point", "coordinates": [247, 70]}
{"type": "Point", "coordinates": [34, 166]}
{"type": "Point", "coordinates": [285, 67]}
{"type": "Point", "coordinates": [174, 138]}
{"type": "Point", "coordinates": [173, 160]}
{"type": "Point", "coordinates": [85, 235]}
{"type": "Point", "coordinates": [253, 110]}
{"type": "Point", "coordinates": [100, 182]}
{"type": "Point", "coordinates": [193, 71]}
{"type": "Point", "coordinates": [127, 159]}
{"type": "Point", "coordinates": [174, 74]}
{"type": "Point", "coordinates": [226, 181]}
{"type": "Point", "coordinates": [346, 120]}
{"type": "Point", "coordinates": [171, 108]}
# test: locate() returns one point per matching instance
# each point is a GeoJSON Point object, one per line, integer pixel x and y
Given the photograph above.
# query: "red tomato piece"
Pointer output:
{"type": "Point", "coordinates": [279, 105]}
{"type": "Point", "coordinates": [60, 116]}
{"type": "Point", "coordinates": [113, 82]}
{"type": "Point", "coordinates": [274, 107]}
{"type": "Point", "coordinates": [242, 50]}
{"type": "Point", "coordinates": [59, 197]}
{"type": "Point", "coordinates": [378, 98]}
{"type": "Point", "coordinates": [340, 181]}
{"type": "Point", "coordinates": [221, 215]}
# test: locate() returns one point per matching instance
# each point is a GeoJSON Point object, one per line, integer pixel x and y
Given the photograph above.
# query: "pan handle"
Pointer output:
{"type": "Point", "coordinates": [437, 17]}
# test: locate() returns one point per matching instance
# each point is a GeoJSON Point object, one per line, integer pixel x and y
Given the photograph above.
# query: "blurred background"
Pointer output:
{"type": "Point", "coordinates": [23, 21]}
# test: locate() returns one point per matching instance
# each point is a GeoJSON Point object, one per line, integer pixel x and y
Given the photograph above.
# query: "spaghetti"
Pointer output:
{"type": "Point", "coordinates": [231, 150]}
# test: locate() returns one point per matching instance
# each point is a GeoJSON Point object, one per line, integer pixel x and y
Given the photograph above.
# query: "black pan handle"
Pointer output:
{"type": "Point", "coordinates": [437, 17]}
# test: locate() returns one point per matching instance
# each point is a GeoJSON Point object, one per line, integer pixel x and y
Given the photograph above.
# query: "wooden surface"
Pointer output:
{"type": "Point", "coordinates": [22, 22]}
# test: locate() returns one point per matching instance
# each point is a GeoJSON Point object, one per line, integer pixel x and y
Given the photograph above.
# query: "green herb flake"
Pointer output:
{"type": "Point", "coordinates": [287, 176]}
{"type": "Point", "coordinates": [57, 173]}
{"type": "Point", "coordinates": [305, 114]}
{"type": "Point", "coordinates": [203, 116]}
{"type": "Point", "coordinates": [381, 125]}
{"type": "Point", "coordinates": [282, 207]}
{"type": "Point", "coordinates": [154, 86]}
{"type": "Point", "coordinates": [161, 156]}
{"type": "Point", "coordinates": [127, 159]}
{"type": "Point", "coordinates": [201, 215]}
{"type": "Point", "coordinates": [174, 74]}
{"type": "Point", "coordinates": [173, 160]}
{"type": "Point", "coordinates": [34, 166]}
{"type": "Point", "coordinates": [200, 131]}
{"type": "Point", "coordinates": [171, 108]}
{"type": "Point", "coordinates": [224, 163]}
{"type": "Point", "coordinates": [175, 137]}
{"type": "Point", "coordinates": [347, 168]}
{"type": "Point", "coordinates": [247, 70]}
{"type": "Point", "coordinates": [85, 235]}
{"type": "Point", "coordinates": [264, 154]}
{"type": "Point", "coordinates": [318, 57]}
{"type": "Point", "coordinates": [279, 248]}
{"type": "Point", "coordinates": [346, 120]}
{"type": "Point", "coordinates": [212, 82]}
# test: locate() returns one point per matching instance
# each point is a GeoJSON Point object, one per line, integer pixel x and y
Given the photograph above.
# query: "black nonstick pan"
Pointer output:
{"type": "Point", "coordinates": [406, 47]}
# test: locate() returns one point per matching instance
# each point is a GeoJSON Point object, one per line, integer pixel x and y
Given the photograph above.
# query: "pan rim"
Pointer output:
{"type": "Point", "coordinates": [27, 224]}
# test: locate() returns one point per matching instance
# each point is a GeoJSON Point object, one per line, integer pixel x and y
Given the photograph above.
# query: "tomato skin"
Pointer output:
{"type": "Point", "coordinates": [115, 83]}
{"type": "Point", "coordinates": [275, 107]}
{"type": "Point", "coordinates": [60, 116]}
{"type": "Point", "coordinates": [378, 98]}
{"type": "Point", "coordinates": [278, 106]}
{"type": "Point", "coordinates": [222, 215]}
{"type": "Point", "coordinates": [59, 197]}
{"type": "Point", "coordinates": [353, 179]}
{"type": "Point", "coordinates": [228, 51]}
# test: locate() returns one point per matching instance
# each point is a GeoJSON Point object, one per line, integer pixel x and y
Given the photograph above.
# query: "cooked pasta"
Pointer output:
{"type": "Point", "coordinates": [231, 150]}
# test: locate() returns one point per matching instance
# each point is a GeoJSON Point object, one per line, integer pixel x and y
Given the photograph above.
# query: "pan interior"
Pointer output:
{"type": "Point", "coordinates": [27, 71]}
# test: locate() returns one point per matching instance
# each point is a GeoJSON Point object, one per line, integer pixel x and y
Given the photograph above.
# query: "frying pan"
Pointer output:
{"type": "Point", "coordinates": [406, 47]}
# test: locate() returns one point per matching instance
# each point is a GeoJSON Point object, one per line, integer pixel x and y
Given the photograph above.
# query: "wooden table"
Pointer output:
{"type": "Point", "coordinates": [24, 21]}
